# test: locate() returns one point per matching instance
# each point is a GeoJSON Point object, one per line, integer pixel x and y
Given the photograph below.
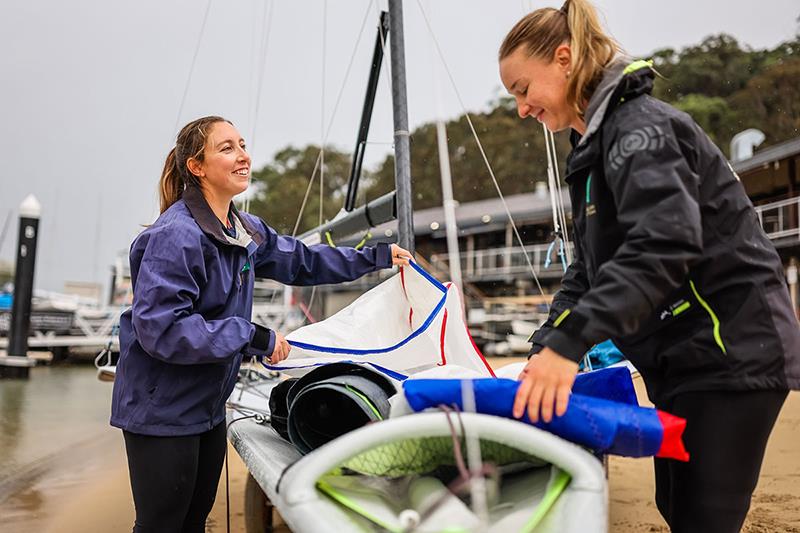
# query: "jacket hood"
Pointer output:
{"type": "Point", "coordinates": [621, 79]}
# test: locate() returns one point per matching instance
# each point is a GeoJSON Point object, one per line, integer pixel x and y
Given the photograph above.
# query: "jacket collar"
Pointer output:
{"type": "Point", "coordinates": [622, 78]}
{"type": "Point", "coordinates": [246, 235]}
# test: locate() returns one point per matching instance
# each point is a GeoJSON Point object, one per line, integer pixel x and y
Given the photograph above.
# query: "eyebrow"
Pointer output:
{"type": "Point", "coordinates": [227, 141]}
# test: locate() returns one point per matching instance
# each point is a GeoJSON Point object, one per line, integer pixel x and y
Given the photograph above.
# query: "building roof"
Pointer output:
{"type": "Point", "coordinates": [484, 215]}
{"type": "Point", "coordinates": [768, 155]}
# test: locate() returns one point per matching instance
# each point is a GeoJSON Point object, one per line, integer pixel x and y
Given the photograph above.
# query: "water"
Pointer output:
{"type": "Point", "coordinates": [54, 434]}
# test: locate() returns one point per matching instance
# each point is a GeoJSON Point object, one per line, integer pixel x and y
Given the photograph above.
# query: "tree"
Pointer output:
{"type": "Point", "coordinates": [714, 115]}
{"type": "Point", "coordinates": [514, 148]}
{"type": "Point", "coordinates": [282, 184]}
{"type": "Point", "coordinates": [771, 101]}
{"type": "Point", "coordinates": [727, 89]}
{"type": "Point", "coordinates": [716, 67]}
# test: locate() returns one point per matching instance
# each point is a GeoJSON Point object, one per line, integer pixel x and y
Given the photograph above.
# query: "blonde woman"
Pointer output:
{"type": "Point", "coordinates": [671, 263]}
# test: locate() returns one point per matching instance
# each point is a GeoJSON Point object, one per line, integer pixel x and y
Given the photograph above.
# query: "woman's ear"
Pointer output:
{"type": "Point", "coordinates": [195, 167]}
{"type": "Point", "coordinates": [563, 57]}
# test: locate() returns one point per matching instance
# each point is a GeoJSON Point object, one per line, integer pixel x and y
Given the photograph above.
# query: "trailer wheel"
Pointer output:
{"type": "Point", "coordinates": [258, 510]}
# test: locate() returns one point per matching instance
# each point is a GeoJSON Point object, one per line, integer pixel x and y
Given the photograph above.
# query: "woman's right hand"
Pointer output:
{"type": "Point", "coordinates": [281, 350]}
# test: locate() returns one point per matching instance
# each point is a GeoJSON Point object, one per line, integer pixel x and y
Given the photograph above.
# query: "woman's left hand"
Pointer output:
{"type": "Point", "coordinates": [400, 256]}
{"type": "Point", "coordinates": [546, 385]}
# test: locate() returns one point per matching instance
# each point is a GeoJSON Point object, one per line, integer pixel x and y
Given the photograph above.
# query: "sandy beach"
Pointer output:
{"type": "Point", "coordinates": [97, 499]}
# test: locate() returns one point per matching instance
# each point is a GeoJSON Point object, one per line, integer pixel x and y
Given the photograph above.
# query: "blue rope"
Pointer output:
{"type": "Point", "coordinates": [562, 253]}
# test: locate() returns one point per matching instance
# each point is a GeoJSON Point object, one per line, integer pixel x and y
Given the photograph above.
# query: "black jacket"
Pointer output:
{"type": "Point", "coordinates": [670, 259]}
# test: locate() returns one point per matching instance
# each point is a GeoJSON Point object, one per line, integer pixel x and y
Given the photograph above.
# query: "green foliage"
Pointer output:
{"type": "Point", "coordinates": [716, 67]}
{"type": "Point", "coordinates": [727, 88]}
{"type": "Point", "coordinates": [724, 87]}
{"type": "Point", "coordinates": [282, 185]}
{"type": "Point", "coordinates": [772, 101]}
{"type": "Point", "coordinates": [713, 114]}
{"type": "Point", "coordinates": [514, 148]}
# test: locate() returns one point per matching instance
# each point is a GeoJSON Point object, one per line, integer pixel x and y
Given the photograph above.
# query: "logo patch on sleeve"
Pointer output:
{"type": "Point", "coordinates": [648, 138]}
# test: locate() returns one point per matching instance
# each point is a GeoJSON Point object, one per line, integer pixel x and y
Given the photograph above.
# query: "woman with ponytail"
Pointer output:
{"type": "Point", "coordinates": [671, 263]}
{"type": "Point", "coordinates": [189, 327]}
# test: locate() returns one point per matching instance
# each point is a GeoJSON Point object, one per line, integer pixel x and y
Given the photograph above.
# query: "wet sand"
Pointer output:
{"type": "Point", "coordinates": [101, 501]}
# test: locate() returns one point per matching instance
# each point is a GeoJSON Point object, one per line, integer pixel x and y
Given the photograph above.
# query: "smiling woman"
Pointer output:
{"type": "Point", "coordinates": [703, 313]}
{"type": "Point", "coordinates": [182, 341]}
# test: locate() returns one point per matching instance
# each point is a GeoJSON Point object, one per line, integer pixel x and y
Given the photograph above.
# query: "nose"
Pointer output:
{"type": "Point", "coordinates": [243, 156]}
{"type": "Point", "coordinates": [523, 109]}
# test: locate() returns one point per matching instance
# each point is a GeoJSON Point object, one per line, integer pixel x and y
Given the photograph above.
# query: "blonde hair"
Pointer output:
{"type": "Point", "coordinates": [190, 144]}
{"type": "Point", "coordinates": [542, 31]}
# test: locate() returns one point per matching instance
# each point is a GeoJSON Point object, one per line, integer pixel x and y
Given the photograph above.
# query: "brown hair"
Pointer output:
{"type": "Point", "coordinates": [544, 30]}
{"type": "Point", "coordinates": [190, 144]}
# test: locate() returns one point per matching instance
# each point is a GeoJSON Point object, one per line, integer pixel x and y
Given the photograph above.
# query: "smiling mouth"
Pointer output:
{"type": "Point", "coordinates": [242, 172]}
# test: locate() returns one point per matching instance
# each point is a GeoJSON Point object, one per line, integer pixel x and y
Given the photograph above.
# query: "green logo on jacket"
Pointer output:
{"type": "Point", "coordinates": [590, 208]}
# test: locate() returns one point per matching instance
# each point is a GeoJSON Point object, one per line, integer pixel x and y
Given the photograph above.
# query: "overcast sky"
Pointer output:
{"type": "Point", "coordinates": [92, 90]}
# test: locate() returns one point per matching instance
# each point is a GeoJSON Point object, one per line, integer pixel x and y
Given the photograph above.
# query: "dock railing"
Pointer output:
{"type": "Point", "coordinates": [501, 262]}
{"type": "Point", "coordinates": [781, 219]}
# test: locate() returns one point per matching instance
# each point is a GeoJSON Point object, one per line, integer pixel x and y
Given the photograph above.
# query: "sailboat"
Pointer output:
{"type": "Point", "coordinates": [431, 471]}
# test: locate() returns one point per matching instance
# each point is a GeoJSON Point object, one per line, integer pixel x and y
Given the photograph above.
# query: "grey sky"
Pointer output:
{"type": "Point", "coordinates": [91, 90]}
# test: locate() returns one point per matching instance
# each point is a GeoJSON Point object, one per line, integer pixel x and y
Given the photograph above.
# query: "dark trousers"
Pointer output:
{"type": "Point", "coordinates": [726, 435]}
{"type": "Point", "coordinates": [174, 479]}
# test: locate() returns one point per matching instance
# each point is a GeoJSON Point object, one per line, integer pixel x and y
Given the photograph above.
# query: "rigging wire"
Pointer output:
{"type": "Point", "coordinates": [319, 163]}
{"type": "Point", "coordinates": [559, 245]}
{"type": "Point", "coordinates": [267, 30]}
{"type": "Point", "coordinates": [560, 198]}
{"type": "Point", "coordinates": [322, 110]}
{"type": "Point", "coordinates": [333, 116]}
{"type": "Point", "coordinates": [483, 153]}
{"type": "Point", "coordinates": [191, 68]}
{"type": "Point", "coordinates": [323, 136]}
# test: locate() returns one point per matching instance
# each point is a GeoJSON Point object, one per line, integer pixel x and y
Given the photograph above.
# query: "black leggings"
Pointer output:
{"type": "Point", "coordinates": [174, 479]}
{"type": "Point", "coordinates": [726, 435]}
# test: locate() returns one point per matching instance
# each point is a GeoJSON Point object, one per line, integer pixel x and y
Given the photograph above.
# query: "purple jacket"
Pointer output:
{"type": "Point", "coordinates": [182, 341]}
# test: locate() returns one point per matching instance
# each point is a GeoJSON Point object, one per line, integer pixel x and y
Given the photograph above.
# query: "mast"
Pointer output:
{"type": "Point", "coordinates": [402, 149]}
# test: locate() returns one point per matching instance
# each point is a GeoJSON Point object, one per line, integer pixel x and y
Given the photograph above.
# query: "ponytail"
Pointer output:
{"type": "Point", "coordinates": [542, 31]}
{"type": "Point", "coordinates": [592, 50]}
{"type": "Point", "coordinates": [171, 183]}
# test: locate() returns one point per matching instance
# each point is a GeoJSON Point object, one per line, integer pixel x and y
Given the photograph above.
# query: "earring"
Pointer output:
{"type": "Point", "coordinates": [568, 73]}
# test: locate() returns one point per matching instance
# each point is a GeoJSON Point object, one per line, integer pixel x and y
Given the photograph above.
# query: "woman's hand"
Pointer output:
{"type": "Point", "coordinates": [400, 256]}
{"type": "Point", "coordinates": [546, 380]}
{"type": "Point", "coordinates": [281, 350]}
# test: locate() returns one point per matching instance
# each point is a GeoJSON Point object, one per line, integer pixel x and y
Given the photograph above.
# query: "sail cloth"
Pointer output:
{"type": "Point", "coordinates": [408, 323]}
{"type": "Point", "coordinates": [412, 325]}
{"type": "Point", "coordinates": [603, 413]}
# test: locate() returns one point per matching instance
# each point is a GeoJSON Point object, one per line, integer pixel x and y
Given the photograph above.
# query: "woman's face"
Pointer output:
{"type": "Point", "coordinates": [540, 86]}
{"type": "Point", "coordinates": [225, 169]}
